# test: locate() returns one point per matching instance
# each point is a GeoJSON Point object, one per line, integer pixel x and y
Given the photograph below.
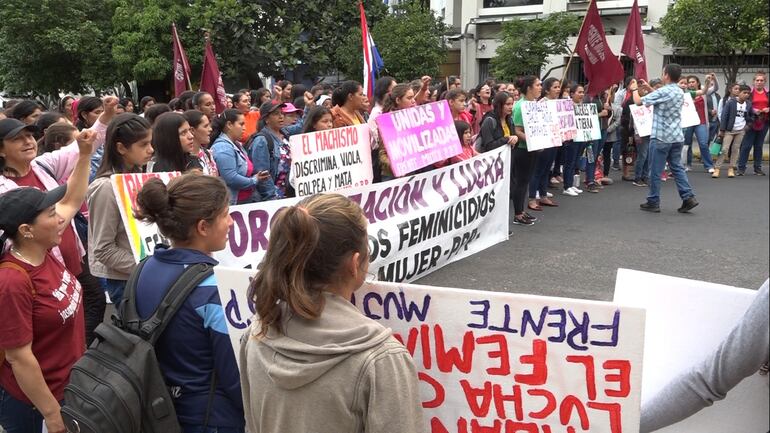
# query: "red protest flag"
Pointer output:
{"type": "Point", "coordinates": [633, 43]}
{"type": "Point", "coordinates": [601, 66]}
{"type": "Point", "coordinates": [181, 65]}
{"type": "Point", "coordinates": [211, 79]}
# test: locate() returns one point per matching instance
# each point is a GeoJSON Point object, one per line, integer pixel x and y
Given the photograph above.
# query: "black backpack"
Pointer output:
{"type": "Point", "coordinates": [117, 386]}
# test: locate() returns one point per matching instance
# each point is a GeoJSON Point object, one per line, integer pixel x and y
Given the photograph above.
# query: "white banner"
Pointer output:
{"type": "Point", "coordinates": [686, 322]}
{"type": "Point", "coordinates": [689, 113]}
{"type": "Point", "coordinates": [500, 362]}
{"type": "Point", "coordinates": [417, 224]}
{"type": "Point", "coordinates": [587, 122]}
{"type": "Point", "coordinates": [642, 116]}
{"type": "Point", "coordinates": [332, 160]}
{"type": "Point", "coordinates": [565, 111]}
{"type": "Point", "coordinates": [541, 124]}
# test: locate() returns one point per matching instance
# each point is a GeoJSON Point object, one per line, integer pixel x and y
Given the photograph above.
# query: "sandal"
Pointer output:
{"type": "Point", "coordinates": [534, 207]}
{"type": "Point", "coordinates": [548, 203]}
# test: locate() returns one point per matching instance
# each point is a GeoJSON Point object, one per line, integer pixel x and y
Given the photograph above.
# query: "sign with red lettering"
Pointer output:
{"type": "Point", "coordinates": [331, 160]}
{"type": "Point", "coordinates": [501, 362]}
{"type": "Point", "coordinates": [142, 237]}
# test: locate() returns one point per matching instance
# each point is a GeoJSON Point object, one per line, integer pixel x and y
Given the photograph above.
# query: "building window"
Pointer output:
{"type": "Point", "coordinates": [510, 3]}
{"type": "Point", "coordinates": [749, 61]}
{"type": "Point", "coordinates": [484, 72]}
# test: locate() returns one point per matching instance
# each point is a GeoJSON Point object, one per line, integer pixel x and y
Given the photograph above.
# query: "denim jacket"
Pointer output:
{"type": "Point", "coordinates": [265, 155]}
{"type": "Point", "coordinates": [232, 166]}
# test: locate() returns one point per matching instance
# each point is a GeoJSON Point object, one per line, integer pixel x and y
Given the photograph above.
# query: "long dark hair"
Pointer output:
{"type": "Point", "coordinates": [86, 105]}
{"type": "Point", "coordinates": [127, 129]}
{"type": "Point", "coordinates": [498, 103]}
{"type": "Point", "coordinates": [165, 141]}
{"type": "Point", "coordinates": [185, 100]}
{"type": "Point", "coordinates": [391, 100]}
{"type": "Point", "coordinates": [25, 108]}
{"type": "Point", "coordinates": [314, 115]}
{"type": "Point", "coordinates": [56, 136]}
{"type": "Point", "coordinates": [342, 94]}
{"type": "Point", "coordinates": [524, 83]}
{"type": "Point", "coordinates": [547, 84]}
{"type": "Point", "coordinates": [219, 122]}
{"type": "Point", "coordinates": [381, 87]}
{"type": "Point", "coordinates": [63, 104]}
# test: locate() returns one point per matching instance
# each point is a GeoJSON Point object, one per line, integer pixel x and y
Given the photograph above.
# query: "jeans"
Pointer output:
{"type": "Point", "coordinates": [115, 289]}
{"type": "Point", "coordinates": [17, 416]}
{"type": "Point", "coordinates": [702, 136]}
{"type": "Point", "coordinates": [642, 166]}
{"type": "Point", "coordinates": [596, 146]}
{"type": "Point", "coordinates": [660, 153]}
{"type": "Point", "coordinates": [187, 428]}
{"type": "Point", "coordinates": [542, 173]}
{"type": "Point", "coordinates": [752, 139]}
{"type": "Point", "coordinates": [570, 149]}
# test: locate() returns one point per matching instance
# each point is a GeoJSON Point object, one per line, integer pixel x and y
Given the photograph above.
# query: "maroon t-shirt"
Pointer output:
{"type": "Point", "coordinates": [69, 243]}
{"type": "Point", "coordinates": [52, 319]}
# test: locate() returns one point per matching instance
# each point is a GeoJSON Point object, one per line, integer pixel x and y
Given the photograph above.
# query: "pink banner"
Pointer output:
{"type": "Point", "coordinates": [419, 136]}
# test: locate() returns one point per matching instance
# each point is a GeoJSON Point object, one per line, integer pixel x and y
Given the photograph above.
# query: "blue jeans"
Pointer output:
{"type": "Point", "coordinates": [17, 416]}
{"type": "Point", "coordinates": [542, 173]}
{"type": "Point", "coordinates": [616, 152]}
{"type": "Point", "coordinates": [186, 428]}
{"type": "Point", "coordinates": [702, 136]}
{"type": "Point", "coordinates": [115, 289]}
{"type": "Point", "coordinates": [642, 166]}
{"type": "Point", "coordinates": [660, 153]}
{"type": "Point", "coordinates": [752, 139]}
{"type": "Point", "coordinates": [596, 146]}
{"type": "Point", "coordinates": [570, 149]}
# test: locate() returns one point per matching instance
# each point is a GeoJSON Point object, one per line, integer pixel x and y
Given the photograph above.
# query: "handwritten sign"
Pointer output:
{"type": "Point", "coordinates": [419, 136]}
{"type": "Point", "coordinates": [142, 236]}
{"type": "Point", "coordinates": [689, 113]}
{"type": "Point", "coordinates": [565, 112]}
{"type": "Point", "coordinates": [500, 362]}
{"type": "Point", "coordinates": [642, 116]}
{"type": "Point", "coordinates": [587, 121]}
{"type": "Point", "coordinates": [541, 124]}
{"type": "Point", "coordinates": [331, 160]}
{"type": "Point", "coordinates": [680, 333]}
{"type": "Point", "coordinates": [416, 224]}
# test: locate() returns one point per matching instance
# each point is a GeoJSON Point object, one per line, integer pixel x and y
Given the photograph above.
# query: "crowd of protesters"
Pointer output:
{"type": "Point", "coordinates": [64, 244]}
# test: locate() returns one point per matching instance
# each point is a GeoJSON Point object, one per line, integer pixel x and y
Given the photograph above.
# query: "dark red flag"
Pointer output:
{"type": "Point", "coordinates": [633, 43]}
{"type": "Point", "coordinates": [601, 66]}
{"type": "Point", "coordinates": [211, 79]}
{"type": "Point", "coordinates": [181, 65]}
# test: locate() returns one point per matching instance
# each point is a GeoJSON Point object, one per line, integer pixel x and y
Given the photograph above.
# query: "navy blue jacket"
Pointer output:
{"type": "Point", "coordinates": [195, 343]}
{"type": "Point", "coordinates": [730, 111]}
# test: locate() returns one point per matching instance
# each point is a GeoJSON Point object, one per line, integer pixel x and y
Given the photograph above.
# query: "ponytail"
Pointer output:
{"type": "Point", "coordinates": [309, 244]}
{"type": "Point", "coordinates": [219, 122]}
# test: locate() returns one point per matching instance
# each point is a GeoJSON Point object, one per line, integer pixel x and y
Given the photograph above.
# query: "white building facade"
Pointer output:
{"type": "Point", "coordinates": [476, 28]}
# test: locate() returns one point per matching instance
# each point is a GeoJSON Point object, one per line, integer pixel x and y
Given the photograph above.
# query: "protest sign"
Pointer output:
{"type": "Point", "coordinates": [419, 136]}
{"type": "Point", "coordinates": [416, 224]}
{"type": "Point", "coordinates": [686, 322]}
{"type": "Point", "coordinates": [565, 112]}
{"type": "Point", "coordinates": [142, 236]}
{"type": "Point", "coordinates": [642, 116]}
{"type": "Point", "coordinates": [689, 113]}
{"type": "Point", "coordinates": [587, 122]}
{"type": "Point", "coordinates": [500, 362]}
{"type": "Point", "coordinates": [541, 124]}
{"type": "Point", "coordinates": [331, 160]}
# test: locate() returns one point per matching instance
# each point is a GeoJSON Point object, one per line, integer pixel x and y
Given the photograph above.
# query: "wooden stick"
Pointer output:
{"type": "Point", "coordinates": [572, 55]}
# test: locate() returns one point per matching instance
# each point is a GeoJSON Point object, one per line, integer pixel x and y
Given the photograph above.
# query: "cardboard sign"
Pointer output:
{"type": "Point", "coordinates": [642, 116]}
{"type": "Point", "coordinates": [500, 362]}
{"type": "Point", "coordinates": [332, 160]}
{"type": "Point", "coordinates": [142, 236]}
{"type": "Point", "coordinates": [565, 112]}
{"type": "Point", "coordinates": [541, 124]}
{"type": "Point", "coordinates": [689, 113]}
{"type": "Point", "coordinates": [419, 136]}
{"type": "Point", "coordinates": [416, 224]}
{"type": "Point", "coordinates": [686, 322]}
{"type": "Point", "coordinates": [587, 122]}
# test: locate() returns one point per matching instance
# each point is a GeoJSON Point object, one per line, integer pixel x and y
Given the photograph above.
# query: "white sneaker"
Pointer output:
{"type": "Point", "coordinates": [570, 192]}
{"type": "Point", "coordinates": [711, 170]}
{"type": "Point", "coordinates": [537, 195]}
{"type": "Point", "coordinates": [576, 190]}
{"type": "Point", "coordinates": [549, 195]}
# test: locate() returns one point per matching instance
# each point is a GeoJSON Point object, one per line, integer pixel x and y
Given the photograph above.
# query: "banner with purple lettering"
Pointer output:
{"type": "Point", "coordinates": [331, 160]}
{"type": "Point", "coordinates": [416, 224]}
{"type": "Point", "coordinates": [541, 124]}
{"type": "Point", "coordinates": [565, 112]}
{"type": "Point", "coordinates": [500, 362]}
{"type": "Point", "coordinates": [419, 136]}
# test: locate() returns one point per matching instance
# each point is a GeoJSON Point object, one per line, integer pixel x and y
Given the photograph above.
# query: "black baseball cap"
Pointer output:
{"type": "Point", "coordinates": [10, 128]}
{"type": "Point", "coordinates": [270, 107]}
{"type": "Point", "coordinates": [23, 205]}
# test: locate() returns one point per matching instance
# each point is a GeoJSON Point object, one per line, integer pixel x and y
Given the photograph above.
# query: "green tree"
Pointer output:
{"type": "Point", "coordinates": [141, 37]}
{"type": "Point", "coordinates": [48, 47]}
{"type": "Point", "coordinates": [527, 44]}
{"type": "Point", "coordinates": [726, 29]}
{"type": "Point", "coordinates": [410, 41]}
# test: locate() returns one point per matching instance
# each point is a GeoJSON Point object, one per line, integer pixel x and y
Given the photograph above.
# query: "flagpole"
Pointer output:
{"type": "Point", "coordinates": [178, 41]}
{"type": "Point", "coordinates": [572, 55]}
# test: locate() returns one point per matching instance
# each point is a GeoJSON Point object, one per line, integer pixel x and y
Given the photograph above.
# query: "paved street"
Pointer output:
{"type": "Point", "coordinates": [576, 249]}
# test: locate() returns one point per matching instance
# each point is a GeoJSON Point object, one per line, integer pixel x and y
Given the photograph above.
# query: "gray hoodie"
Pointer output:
{"type": "Point", "coordinates": [340, 373]}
